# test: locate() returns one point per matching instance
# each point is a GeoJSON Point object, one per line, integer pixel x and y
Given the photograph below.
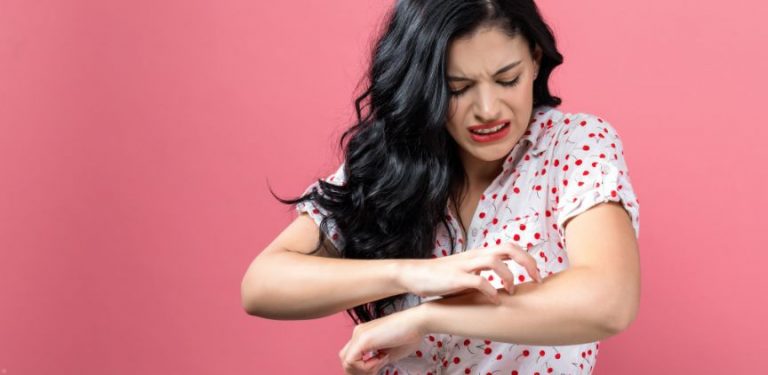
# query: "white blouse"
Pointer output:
{"type": "Point", "coordinates": [563, 165]}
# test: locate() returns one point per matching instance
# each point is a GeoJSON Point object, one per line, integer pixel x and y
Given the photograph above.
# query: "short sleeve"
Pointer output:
{"type": "Point", "coordinates": [591, 169]}
{"type": "Point", "coordinates": [317, 213]}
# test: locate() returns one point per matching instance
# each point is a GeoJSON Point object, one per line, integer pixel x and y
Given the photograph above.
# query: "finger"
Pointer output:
{"type": "Point", "coordinates": [526, 260]}
{"type": "Point", "coordinates": [480, 283]}
{"type": "Point", "coordinates": [502, 269]}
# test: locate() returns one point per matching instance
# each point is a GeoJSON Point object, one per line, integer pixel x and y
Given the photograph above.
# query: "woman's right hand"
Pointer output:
{"type": "Point", "coordinates": [455, 273]}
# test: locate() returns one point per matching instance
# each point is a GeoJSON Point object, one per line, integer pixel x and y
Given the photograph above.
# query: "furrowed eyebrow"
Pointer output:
{"type": "Point", "coordinates": [502, 70]}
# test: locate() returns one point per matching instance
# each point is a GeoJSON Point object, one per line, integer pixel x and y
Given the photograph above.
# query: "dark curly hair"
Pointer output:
{"type": "Point", "coordinates": [401, 165]}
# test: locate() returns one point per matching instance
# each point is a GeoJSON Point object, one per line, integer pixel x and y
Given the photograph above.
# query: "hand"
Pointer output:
{"type": "Point", "coordinates": [391, 338]}
{"type": "Point", "coordinates": [455, 273]}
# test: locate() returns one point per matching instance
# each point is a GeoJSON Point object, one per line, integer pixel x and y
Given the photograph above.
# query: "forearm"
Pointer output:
{"type": "Point", "coordinates": [567, 308]}
{"type": "Point", "coordinates": [291, 286]}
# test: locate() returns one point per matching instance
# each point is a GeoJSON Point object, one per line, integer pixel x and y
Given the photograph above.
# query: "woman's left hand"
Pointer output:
{"type": "Point", "coordinates": [393, 336]}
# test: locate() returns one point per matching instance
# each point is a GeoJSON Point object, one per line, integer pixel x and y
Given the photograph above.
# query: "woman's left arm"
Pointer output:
{"type": "Point", "coordinates": [596, 297]}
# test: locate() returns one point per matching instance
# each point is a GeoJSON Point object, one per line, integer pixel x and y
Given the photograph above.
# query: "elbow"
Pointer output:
{"type": "Point", "coordinates": [618, 314]}
{"type": "Point", "coordinates": [248, 298]}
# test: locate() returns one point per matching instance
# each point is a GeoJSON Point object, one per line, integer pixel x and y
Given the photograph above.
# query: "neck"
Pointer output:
{"type": "Point", "coordinates": [481, 173]}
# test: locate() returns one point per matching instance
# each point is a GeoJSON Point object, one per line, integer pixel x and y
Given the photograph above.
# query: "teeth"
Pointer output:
{"type": "Point", "coordinates": [489, 131]}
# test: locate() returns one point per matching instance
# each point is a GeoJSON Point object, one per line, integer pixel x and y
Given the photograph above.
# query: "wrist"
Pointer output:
{"type": "Point", "coordinates": [420, 315]}
{"type": "Point", "coordinates": [401, 270]}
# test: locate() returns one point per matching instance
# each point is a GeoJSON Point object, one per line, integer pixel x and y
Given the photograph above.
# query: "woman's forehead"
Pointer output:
{"type": "Point", "coordinates": [485, 51]}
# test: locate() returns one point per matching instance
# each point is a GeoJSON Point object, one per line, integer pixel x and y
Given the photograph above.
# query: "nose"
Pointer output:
{"type": "Point", "coordinates": [487, 106]}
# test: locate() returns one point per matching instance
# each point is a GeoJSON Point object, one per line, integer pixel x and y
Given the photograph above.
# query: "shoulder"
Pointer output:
{"type": "Point", "coordinates": [586, 132]}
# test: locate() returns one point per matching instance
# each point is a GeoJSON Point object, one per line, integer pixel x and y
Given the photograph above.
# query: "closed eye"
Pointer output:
{"type": "Point", "coordinates": [511, 83]}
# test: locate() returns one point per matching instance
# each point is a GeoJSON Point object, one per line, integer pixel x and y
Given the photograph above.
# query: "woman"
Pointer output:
{"type": "Point", "coordinates": [443, 232]}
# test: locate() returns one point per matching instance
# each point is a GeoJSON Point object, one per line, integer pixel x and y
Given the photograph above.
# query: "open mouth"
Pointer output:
{"type": "Point", "coordinates": [493, 130]}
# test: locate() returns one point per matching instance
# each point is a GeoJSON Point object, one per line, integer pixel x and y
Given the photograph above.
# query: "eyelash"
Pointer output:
{"type": "Point", "coordinates": [511, 83]}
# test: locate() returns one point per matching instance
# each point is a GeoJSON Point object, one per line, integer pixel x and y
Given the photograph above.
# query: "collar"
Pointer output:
{"type": "Point", "coordinates": [541, 119]}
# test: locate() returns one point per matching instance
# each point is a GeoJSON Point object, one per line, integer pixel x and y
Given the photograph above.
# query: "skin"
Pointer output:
{"type": "Point", "coordinates": [604, 271]}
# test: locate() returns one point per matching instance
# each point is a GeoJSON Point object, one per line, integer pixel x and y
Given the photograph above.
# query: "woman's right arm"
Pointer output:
{"type": "Point", "coordinates": [284, 282]}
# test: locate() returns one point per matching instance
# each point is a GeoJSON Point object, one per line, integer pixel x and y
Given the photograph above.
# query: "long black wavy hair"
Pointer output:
{"type": "Point", "coordinates": [401, 165]}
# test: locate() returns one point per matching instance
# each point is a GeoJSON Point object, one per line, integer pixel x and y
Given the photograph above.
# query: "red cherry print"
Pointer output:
{"type": "Point", "coordinates": [544, 171]}
{"type": "Point", "coordinates": [522, 226]}
{"type": "Point", "coordinates": [583, 123]}
{"type": "Point", "coordinates": [439, 344]}
{"type": "Point", "coordinates": [537, 235]}
{"type": "Point", "coordinates": [498, 357]}
{"type": "Point", "coordinates": [585, 148]}
{"type": "Point", "coordinates": [482, 215]}
{"type": "Point", "coordinates": [591, 135]}
{"type": "Point", "coordinates": [527, 157]}
{"type": "Point", "coordinates": [567, 156]}
{"type": "Point", "coordinates": [456, 360]}
{"type": "Point", "coordinates": [565, 167]}
{"type": "Point", "coordinates": [487, 342]}
{"type": "Point", "coordinates": [495, 221]}
{"type": "Point", "coordinates": [485, 244]}
{"type": "Point", "coordinates": [315, 211]}
{"type": "Point", "coordinates": [488, 350]}
{"type": "Point", "coordinates": [554, 190]}
{"type": "Point", "coordinates": [445, 253]}
{"type": "Point", "coordinates": [335, 236]}
{"type": "Point", "coordinates": [599, 119]}
{"type": "Point", "coordinates": [516, 190]}
{"type": "Point", "coordinates": [560, 260]}
{"type": "Point", "coordinates": [594, 164]}
{"type": "Point", "coordinates": [498, 241]}
{"type": "Point", "coordinates": [467, 371]}
{"type": "Point", "coordinates": [418, 353]}
{"type": "Point", "coordinates": [557, 356]}
{"type": "Point", "coordinates": [542, 353]}
{"type": "Point", "coordinates": [585, 173]}
{"type": "Point", "coordinates": [546, 162]}
{"type": "Point", "coordinates": [504, 197]}
{"type": "Point", "coordinates": [556, 163]}
{"type": "Point", "coordinates": [613, 193]}
{"type": "Point", "coordinates": [467, 342]}
{"type": "Point", "coordinates": [526, 352]}
{"type": "Point", "coordinates": [516, 237]}
{"type": "Point", "coordinates": [482, 197]}
{"type": "Point", "coordinates": [602, 156]}
{"type": "Point", "coordinates": [547, 212]}
{"type": "Point", "coordinates": [580, 183]}
{"type": "Point", "coordinates": [431, 338]}
{"type": "Point", "coordinates": [567, 121]}
{"type": "Point", "coordinates": [565, 182]}
{"type": "Point", "coordinates": [578, 162]}
{"type": "Point", "coordinates": [514, 372]}
{"type": "Point", "coordinates": [521, 278]}
{"type": "Point", "coordinates": [549, 370]}
{"type": "Point", "coordinates": [538, 187]}
{"type": "Point", "coordinates": [583, 355]}
{"type": "Point", "coordinates": [493, 196]}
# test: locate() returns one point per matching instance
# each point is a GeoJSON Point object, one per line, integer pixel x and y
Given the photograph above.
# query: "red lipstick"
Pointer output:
{"type": "Point", "coordinates": [489, 137]}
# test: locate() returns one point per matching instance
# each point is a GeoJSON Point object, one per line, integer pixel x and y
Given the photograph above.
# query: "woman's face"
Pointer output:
{"type": "Point", "coordinates": [491, 79]}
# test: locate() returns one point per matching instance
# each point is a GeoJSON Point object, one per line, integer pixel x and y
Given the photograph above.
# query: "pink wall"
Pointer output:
{"type": "Point", "coordinates": [137, 139]}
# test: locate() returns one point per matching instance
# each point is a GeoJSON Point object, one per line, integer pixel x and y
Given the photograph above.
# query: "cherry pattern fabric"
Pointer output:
{"type": "Point", "coordinates": [564, 164]}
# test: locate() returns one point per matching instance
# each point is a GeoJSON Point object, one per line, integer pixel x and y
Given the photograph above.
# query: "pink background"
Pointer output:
{"type": "Point", "coordinates": [137, 139]}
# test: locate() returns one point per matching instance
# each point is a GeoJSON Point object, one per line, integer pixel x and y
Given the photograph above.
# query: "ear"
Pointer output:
{"type": "Point", "coordinates": [537, 53]}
